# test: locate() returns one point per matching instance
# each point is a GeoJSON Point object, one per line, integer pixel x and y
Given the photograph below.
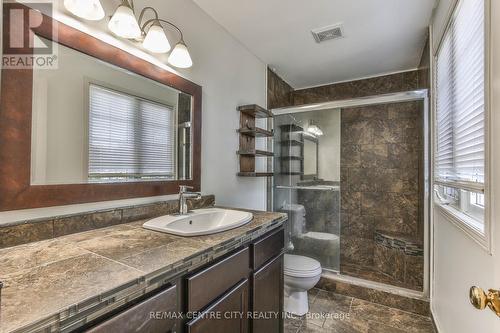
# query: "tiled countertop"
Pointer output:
{"type": "Point", "coordinates": [56, 283]}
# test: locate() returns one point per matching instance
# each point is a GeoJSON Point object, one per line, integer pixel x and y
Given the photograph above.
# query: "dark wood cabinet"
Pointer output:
{"type": "Point", "coordinates": [216, 298]}
{"type": "Point", "coordinates": [227, 314]}
{"type": "Point", "coordinates": [267, 297]}
{"type": "Point", "coordinates": [267, 247]}
{"type": "Point", "coordinates": [208, 284]}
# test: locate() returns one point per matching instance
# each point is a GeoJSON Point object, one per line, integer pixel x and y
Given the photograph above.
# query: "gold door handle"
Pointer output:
{"type": "Point", "coordinates": [479, 299]}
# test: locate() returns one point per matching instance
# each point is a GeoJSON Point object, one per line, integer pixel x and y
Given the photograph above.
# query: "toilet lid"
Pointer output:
{"type": "Point", "coordinates": [300, 266]}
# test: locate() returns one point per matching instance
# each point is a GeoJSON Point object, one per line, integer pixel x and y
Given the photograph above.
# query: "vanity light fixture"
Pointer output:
{"type": "Point", "coordinates": [314, 129]}
{"type": "Point", "coordinates": [123, 23]}
{"type": "Point", "coordinates": [180, 56]}
{"type": "Point", "coordinates": [156, 41]}
{"type": "Point", "coordinates": [87, 9]}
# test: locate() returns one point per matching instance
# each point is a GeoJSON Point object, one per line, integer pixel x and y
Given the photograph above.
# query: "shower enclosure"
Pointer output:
{"type": "Point", "coordinates": [352, 175]}
{"type": "Point", "coordinates": [307, 182]}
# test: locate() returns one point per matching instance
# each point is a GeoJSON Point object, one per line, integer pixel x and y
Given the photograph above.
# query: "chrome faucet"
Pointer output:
{"type": "Point", "coordinates": [185, 194]}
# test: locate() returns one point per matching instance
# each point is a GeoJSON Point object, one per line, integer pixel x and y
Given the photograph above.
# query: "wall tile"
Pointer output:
{"type": "Point", "coordinates": [390, 262]}
{"type": "Point", "coordinates": [350, 201]}
{"type": "Point", "coordinates": [32, 231]}
{"type": "Point", "coordinates": [350, 156]}
{"type": "Point", "coordinates": [380, 181]}
{"type": "Point", "coordinates": [358, 226]}
{"type": "Point", "coordinates": [414, 271]}
{"type": "Point", "coordinates": [355, 250]}
{"type": "Point", "coordinates": [79, 223]}
{"type": "Point", "coordinates": [26, 233]}
{"type": "Point", "coordinates": [279, 93]}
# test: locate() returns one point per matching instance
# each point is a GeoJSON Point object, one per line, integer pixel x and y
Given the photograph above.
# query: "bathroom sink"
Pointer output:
{"type": "Point", "coordinates": [199, 222]}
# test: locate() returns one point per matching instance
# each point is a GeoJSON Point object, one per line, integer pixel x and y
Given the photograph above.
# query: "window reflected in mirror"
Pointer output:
{"type": "Point", "coordinates": [93, 122]}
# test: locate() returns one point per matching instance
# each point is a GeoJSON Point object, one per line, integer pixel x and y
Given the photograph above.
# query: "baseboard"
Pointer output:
{"type": "Point", "coordinates": [435, 321]}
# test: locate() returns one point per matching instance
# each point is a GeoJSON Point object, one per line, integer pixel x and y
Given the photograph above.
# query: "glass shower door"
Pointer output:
{"type": "Point", "coordinates": [307, 183]}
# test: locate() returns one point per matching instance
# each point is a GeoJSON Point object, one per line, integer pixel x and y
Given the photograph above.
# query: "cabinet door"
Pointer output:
{"type": "Point", "coordinates": [267, 297]}
{"type": "Point", "coordinates": [227, 314]}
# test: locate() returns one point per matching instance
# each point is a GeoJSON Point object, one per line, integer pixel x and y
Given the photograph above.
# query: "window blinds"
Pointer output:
{"type": "Point", "coordinates": [460, 105]}
{"type": "Point", "coordinates": [129, 137]}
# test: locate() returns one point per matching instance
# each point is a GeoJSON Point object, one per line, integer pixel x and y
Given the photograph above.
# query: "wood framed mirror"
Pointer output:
{"type": "Point", "coordinates": [158, 132]}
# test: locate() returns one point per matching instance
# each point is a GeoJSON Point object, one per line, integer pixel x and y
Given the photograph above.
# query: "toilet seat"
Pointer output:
{"type": "Point", "coordinates": [300, 266]}
{"type": "Point", "coordinates": [321, 236]}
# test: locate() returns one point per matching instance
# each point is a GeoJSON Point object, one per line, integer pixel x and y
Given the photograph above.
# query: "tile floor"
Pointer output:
{"type": "Point", "coordinates": [330, 312]}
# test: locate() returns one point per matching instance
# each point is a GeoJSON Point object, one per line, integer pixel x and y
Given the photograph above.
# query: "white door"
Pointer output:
{"type": "Point", "coordinates": [459, 261]}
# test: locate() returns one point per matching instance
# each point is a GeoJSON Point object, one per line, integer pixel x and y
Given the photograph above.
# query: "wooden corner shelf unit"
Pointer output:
{"type": "Point", "coordinates": [248, 131]}
{"type": "Point", "coordinates": [292, 163]}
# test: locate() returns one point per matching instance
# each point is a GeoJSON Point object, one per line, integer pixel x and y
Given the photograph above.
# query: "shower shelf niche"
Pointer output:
{"type": "Point", "coordinates": [248, 132]}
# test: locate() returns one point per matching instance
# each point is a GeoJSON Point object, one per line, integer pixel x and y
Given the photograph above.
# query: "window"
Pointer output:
{"type": "Point", "coordinates": [130, 138]}
{"type": "Point", "coordinates": [460, 115]}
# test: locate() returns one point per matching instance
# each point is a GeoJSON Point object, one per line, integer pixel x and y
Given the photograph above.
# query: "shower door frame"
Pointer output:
{"type": "Point", "coordinates": [399, 97]}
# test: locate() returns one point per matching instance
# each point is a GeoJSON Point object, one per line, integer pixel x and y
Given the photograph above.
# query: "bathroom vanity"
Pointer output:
{"type": "Point", "coordinates": [241, 292]}
{"type": "Point", "coordinates": [126, 278]}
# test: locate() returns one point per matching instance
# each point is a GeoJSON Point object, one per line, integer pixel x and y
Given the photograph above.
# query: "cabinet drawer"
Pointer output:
{"type": "Point", "coordinates": [267, 247]}
{"type": "Point", "coordinates": [210, 283]}
{"type": "Point", "coordinates": [232, 307]}
{"type": "Point", "coordinates": [138, 318]}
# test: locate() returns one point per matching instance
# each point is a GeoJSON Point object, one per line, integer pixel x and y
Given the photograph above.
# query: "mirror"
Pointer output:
{"type": "Point", "coordinates": [310, 157]}
{"type": "Point", "coordinates": [93, 122]}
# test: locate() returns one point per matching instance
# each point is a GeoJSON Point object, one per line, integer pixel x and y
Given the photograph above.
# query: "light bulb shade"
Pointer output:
{"type": "Point", "coordinates": [124, 24]}
{"type": "Point", "coordinates": [86, 9]}
{"type": "Point", "coordinates": [156, 41]}
{"type": "Point", "coordinates": [180, 56]}
{"type": "Point", "coordinates": [314, 130]}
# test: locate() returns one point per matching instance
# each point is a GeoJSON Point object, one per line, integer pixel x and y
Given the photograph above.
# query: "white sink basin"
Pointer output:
{"type": "Point", "coordinates": [199, 222]}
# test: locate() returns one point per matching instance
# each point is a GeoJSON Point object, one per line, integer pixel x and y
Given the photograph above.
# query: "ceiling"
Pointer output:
{"type": "Point", "coordinates": [381, 36]}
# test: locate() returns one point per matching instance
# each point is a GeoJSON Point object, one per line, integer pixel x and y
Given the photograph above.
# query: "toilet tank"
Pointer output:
{"type": "Point", "coordinates": [296, 218]}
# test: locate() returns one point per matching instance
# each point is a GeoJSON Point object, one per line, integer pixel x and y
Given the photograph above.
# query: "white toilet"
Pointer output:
{"type": "Point", "coordinates": [301, 273]}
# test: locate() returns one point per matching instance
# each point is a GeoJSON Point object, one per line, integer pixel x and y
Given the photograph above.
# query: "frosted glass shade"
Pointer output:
{"type": "Point", "coordinates": [180, 56]}
{"type": "Point", "coordinates": [315, 130]}
{"type": "Point", "coordinates": [86, 9]}
{"type": "Point", "coordinates": [124, 24]}
{"type": "Point", "coordinates": [156, 41]}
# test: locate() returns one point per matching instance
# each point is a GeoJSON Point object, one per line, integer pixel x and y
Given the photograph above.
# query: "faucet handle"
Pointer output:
{"type": "Point", "coordinates": [184, 188]}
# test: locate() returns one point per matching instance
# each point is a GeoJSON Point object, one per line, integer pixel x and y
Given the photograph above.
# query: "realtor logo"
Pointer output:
{"type": "Point", "coordinates": [22, 46]}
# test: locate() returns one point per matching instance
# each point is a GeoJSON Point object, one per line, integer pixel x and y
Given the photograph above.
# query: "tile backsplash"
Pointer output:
{"type": "Point", "coordinates": [56, 226]}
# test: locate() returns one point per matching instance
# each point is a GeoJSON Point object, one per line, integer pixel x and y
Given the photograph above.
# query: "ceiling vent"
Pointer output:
{"type": "Point", "coordinates": [328, 33]}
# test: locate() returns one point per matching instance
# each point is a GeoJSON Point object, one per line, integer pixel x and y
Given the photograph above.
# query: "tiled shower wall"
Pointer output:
{"type": "Point", "coordinates": [381, 220]}
{"type": "Point", "coordinates": [279, 93]}
{"type": "Point", "coordinates": [381, 163]}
